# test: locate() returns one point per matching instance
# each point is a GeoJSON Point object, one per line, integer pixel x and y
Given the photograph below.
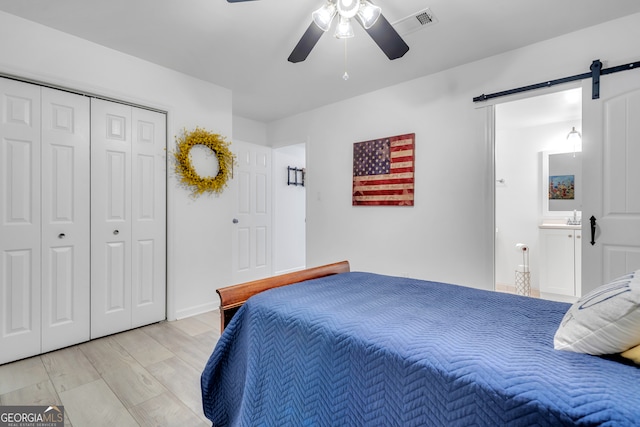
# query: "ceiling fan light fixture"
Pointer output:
{"type": "Point", "coordinates": [344, 30]}
{"type": "Point", "coordinates": [368, 14]}
{"type": "Point", "coordinates": [323, 16]}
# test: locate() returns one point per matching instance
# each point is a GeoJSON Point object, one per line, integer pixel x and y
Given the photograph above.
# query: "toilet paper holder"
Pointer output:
{"type": "Point", "coordinates": [523, 275]}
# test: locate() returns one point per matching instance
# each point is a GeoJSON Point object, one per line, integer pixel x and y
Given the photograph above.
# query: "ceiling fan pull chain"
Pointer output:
{"type": "Point", "coordinates": [345, 76]}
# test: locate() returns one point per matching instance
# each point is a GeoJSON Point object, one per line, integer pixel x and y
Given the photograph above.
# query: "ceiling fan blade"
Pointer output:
{"type": "Point", "coordinates": [387, 38]}
{"type": "Point", "coordinates": [306, 43]}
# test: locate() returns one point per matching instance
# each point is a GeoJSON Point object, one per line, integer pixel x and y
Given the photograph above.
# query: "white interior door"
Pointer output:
{"type": "Point", "coordinates": [251, 242]}
{"type": "Point", "coordinates": [128, 217]}
{"type": "Point", "coordinates": [149, 217]}
{"type": "Point", "coordinates": [110, 217]}
{"type": "Point", "coordinates": [65, 219]}
{"type": "Point", "coordinates": [20, 321]}
{"type": "Point", "coordinates": [611, 155]}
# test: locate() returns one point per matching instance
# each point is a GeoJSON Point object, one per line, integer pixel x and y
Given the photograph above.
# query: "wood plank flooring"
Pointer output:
{"type": "Point", "coordinates": [144, 377]}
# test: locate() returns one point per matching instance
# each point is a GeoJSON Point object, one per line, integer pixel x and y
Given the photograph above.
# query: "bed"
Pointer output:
{"type": "Point", "coordinates": [331, 347]}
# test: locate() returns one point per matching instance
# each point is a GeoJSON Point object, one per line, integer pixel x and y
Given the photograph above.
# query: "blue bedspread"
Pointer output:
{"type": "Point", "coordinates": [360, 349]}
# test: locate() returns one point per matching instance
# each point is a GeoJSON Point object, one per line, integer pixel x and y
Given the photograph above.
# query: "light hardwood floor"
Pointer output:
{"type": "Point", "coordinates": [511, 289]}
{"type": "Point", "coordinates": [144, 377]}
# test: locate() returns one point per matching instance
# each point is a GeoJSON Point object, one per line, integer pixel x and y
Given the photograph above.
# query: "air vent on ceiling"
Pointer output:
{"type": "Point", "coordinates": [415, 22]}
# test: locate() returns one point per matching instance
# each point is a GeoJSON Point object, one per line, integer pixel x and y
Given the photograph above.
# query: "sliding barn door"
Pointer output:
{"type": "Point", "coordinates": [65, 219]}
{"type": "Point", "coordinates": [128, 217]}
{"type": "Point", "coordinates": [611, 158]}
{"type": "Point", "coordinates": [19, 220]}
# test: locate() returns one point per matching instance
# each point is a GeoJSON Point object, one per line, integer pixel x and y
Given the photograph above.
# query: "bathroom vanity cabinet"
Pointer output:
{"type": "Point", "coordinates": [560, 260]}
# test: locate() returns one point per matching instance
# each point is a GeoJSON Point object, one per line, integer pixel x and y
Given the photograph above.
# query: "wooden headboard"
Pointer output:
{"type": "Point", "coordinates": [232, 297]}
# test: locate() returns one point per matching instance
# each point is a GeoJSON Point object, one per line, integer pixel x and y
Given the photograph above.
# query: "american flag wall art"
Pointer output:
{"type": "Point", "coordinates": [383, 171]}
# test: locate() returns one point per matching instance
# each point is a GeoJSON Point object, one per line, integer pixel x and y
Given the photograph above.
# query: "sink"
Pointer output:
{"type": "Point", "coordinates": [560, 224]}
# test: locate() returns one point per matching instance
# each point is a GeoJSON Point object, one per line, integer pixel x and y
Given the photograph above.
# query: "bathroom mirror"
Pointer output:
{"type": "Point", "coordinates": [561, 186]}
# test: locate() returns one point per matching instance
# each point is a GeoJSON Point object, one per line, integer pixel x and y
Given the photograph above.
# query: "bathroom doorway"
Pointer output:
{"type": "Point", "coordinates": [527, 132]}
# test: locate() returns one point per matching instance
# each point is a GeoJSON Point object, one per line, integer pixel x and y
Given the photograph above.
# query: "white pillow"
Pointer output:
{"type": "Point", "coordinates": [605, 321]}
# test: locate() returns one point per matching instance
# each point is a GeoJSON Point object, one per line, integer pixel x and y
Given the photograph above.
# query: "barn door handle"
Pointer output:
{"type": "Point", "coordinates": [593, 229]}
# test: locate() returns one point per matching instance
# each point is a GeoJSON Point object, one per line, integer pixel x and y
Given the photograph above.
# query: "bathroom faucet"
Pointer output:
{"type": "Point", "coordinates": [575, 220]}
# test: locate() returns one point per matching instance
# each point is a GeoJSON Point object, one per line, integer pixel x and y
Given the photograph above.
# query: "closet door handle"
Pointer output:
{"type": "Point", "coordinates": [116, 232]}
{"type": "Point", "coordinates": [593, 229]}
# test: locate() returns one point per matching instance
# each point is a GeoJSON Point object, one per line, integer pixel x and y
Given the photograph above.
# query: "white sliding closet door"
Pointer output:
{"type": "Point", "coordinates": [111, 217]}
{"type": "Point", "coordinates": [19, 220]}
{"type": "Point", "coordinates": [82, 218]}
{"type": "Point", "coordinates": [65, 219]}
{"type": "Point", "coordinates": [148, 251]}
{"type": "Point", "coordinates": [44, 219]}
{"type": "Point", "coordinates": [128, 217]}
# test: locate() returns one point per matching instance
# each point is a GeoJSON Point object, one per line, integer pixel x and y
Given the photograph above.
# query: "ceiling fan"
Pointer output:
{"type": "Point", "coordinates": [367, 15]}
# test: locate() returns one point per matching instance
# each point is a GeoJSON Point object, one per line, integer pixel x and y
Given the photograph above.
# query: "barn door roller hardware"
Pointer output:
{"type": "Point", "coordinates": [594, 74]}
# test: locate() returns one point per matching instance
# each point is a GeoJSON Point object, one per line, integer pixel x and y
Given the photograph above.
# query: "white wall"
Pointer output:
{"type": "Point", "coordinates": [448, 234]}
{"type": "Point", "coordinates": [289, 211]}
{"type": "Point", "coordinates": [199, 232]}
{"type": "Point", "coordinates": [249, 130]}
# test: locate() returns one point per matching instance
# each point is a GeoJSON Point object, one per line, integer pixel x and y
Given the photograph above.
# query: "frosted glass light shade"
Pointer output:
{"type": "Point", "coordinates": [368, 14]}
{"type": "Point", "coordinates": [344, 30]}
{"type": "Point", "coordinates": [575, 138]}
{"type": "Point", "coordinates": [574, 135]}
{"type": "Point", "coordinates": [323, 16]}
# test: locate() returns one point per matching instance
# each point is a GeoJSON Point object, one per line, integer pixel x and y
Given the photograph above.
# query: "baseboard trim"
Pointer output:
{"type": "Point", "coordinates": [198, 309]}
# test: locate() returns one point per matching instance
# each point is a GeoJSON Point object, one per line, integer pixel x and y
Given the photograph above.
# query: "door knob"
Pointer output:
{"type": "Point", "coordinates": [61, 236]}
{"type": "Point", "coordinates": [116, 232]}
{"type": "Point", "coordinates": [235, 220]}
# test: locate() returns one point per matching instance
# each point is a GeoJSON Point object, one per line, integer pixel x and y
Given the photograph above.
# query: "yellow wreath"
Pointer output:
{"type": "Point", "coordinates": [187, 173]}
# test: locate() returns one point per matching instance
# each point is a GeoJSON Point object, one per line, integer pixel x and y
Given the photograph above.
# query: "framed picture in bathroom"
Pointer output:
{"type": "Point", "coordinates": [561, 183]}
{"type": "Point", "coordinates": [562, 187]}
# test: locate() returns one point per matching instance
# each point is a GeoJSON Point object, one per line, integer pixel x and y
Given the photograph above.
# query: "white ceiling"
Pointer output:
{"type": "Point", "coordinates": [244, 46]}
